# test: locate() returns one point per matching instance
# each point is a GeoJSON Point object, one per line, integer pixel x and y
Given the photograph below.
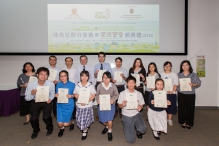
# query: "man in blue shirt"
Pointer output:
{"type": "Point", "coordinates": [42, 75]}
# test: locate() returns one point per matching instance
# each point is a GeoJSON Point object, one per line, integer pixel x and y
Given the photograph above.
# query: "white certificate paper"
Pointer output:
{"type": "Point", "coordinates": [160, 99]}
{"type": "Point", "coordinates": [84, 95]}
{"type": "Point", "coordinates": [168, 84]}
{"type": "Point", "coordinates": [132, 101]}
{"type": "Point", "coordinates": [100, 75]}
{"type": "Point", "coordinates": [62, 98]}
{"type": "Point", "coordinates": [42, 94]}
{"type": "Point", "coordinates": [32, 78]}
{"type": "Point", "coordinates": [105, 102]}
{"type": "Point", "coordinates": [137, 77]}
{"type": "Point", "coordinates": [52, 75]}
{"type": "Point", "coordinates": [117, 76]}
{"type": "Point", "coordinates": [184, 84]}
{"type": "Point", "coordinates": [150, 82]}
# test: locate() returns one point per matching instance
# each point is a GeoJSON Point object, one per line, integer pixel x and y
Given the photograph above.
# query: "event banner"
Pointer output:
{"type": "Point", "coordinates": [97, 27]}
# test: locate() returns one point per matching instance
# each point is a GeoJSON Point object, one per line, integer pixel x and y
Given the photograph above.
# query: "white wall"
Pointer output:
{"type": "Point", "coordinates": [203, 39]}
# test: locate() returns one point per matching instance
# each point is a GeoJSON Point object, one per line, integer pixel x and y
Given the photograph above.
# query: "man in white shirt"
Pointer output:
{"type": "Point", "coordinates": [84, 66]}
{"type": "Point", "coordinates": [120, 85]}
{"type": "Point", "coordinates": [70, 69]}
{"type": "Point", "coordinates": [52, 66]}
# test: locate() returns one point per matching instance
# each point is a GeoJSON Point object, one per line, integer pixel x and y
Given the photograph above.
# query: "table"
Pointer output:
{"type": "Point", "coordinates": [9, 102]}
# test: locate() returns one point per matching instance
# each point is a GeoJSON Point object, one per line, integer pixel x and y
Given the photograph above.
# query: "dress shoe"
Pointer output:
{"type": "Point", "coordinates": [156, 137]}
{"type": "Point", "coordinates": [84, 136]}
{"type": "Point", "coordinates": [34, 135]}
{"type": "Point", "coordinates": [25, 123]}
{"type": "Point", "coordinates": [110, 137]}
{"type": "Point", "coordinates": [49, 132]}
{"type": "Point", "coordinates": [188, 127]}
{"type": "Point", "coordinates": [183, 126]}
{"type": "Point", "coordinates": [71, 127]}
{"type": "Point", "coordinates": [61, 131]}
{"type": "Point", "coordinates": [104, 130]}
{"type": "Point", "coordinates": [158, 133]}
{"type": "Point", "coordinates": [139, 135]}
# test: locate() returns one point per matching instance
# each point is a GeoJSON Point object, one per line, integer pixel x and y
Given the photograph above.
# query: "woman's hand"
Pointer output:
{"type": "Point", "coordinates": [69, 96]}
{"type": "Point", "coordinates": [111, 102]}
{"type": "Point", "coordinates": [56, 95]}
{"type": "Point", "coordinates": [168, 102]}
{"type": "Point", "coordinates": [152, 101]}
{"type": "Point", "coordinates": [76, 96]}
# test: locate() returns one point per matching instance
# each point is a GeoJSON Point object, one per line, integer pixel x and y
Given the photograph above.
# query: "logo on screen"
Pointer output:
{"type": "Point", "coordinates": [131, 11]}
{"type": "Point", "coordinates": [103, 14]}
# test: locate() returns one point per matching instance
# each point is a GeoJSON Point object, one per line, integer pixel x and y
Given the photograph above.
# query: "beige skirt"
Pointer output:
{"type": "Point", "coordinates": [157, 120]}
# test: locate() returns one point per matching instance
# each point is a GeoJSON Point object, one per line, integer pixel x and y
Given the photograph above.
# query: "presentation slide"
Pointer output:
{"type": "Point", "coordinates": [108, 28]}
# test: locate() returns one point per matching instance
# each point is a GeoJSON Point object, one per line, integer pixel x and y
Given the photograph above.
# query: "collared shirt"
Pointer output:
{"type": "Point", "coordinates": [77, 91]}
{"type": "Point", "coordinates": [88, 68]}
{"type": "Point", "coordinates": [194, 80]}
{"type": "Point", "coordinates": [124, 71]}
{"type": "Point", "coordinates": [34, 84]}
{"type": "Point", "coordinates": [58, 71]}
{"type": "Point", "coordinates": [106, 88]}
{"type": "Point", "coordinates": [71, 74]}
{"type": "Point", "coordinates": [106, 66]}
{"type": "Point", "coordinates": [130, 112]}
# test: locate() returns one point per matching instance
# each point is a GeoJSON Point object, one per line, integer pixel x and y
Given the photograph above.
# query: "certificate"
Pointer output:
{"type": "Point", "coordinates": [117, 76]}
{"type": "Point", "coordinates": [150, 82]}
{"type": "Point", "coordinates": [132, 101]}
{"type": "Point", "coordinates": [84, 95]}
{"type": "Point", "coordinates": [42, 94]}
{"type": "Point", "coordinates": [137, 77]}
{"type": "Point", "coordinates": [184, 84]}
{"type": "Point", "coordinates": [100, 75]}
{"type": "Point", "coordinates": [62, 98]}
{"type": "Point", "coordinates": [52, 75]}
{"type": "Point", "coordinates": [160, 99]}
{"type": "Point", "coordinates": [105, 102]}
{"type": "Point", "coordinates": [32, 78]}
{"type": "Point", "coordinates": [168, 84]}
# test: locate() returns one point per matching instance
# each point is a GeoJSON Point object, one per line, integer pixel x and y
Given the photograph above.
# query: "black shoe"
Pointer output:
{"type": "Point", "coordinates": [104, 130]}
{"type": "Point", "coordinates": [157, 138]}
{"type": "Point", "coordinates": [61, 132]}
{"type": "Point", "coordinates": [188, 127]}
{"type": "Point", "coordinates": [34, 135]}
{"type": "Point", "coordinates": [71, 127]}
{"type": "Point", "coordinates": [49, 132]}
{"type": "Point", "coordinates": [25, 123]}
{"type": "Point", "coordinates": [158, 133]}
{"type": "Point", "coordinates": [139, 135]}
{"type": "Point", "coordinates": [84, 137]}
{"type": "Point", "coordinates": [110, 137]}
{"type": "Point", "coordinates": [183, 126]}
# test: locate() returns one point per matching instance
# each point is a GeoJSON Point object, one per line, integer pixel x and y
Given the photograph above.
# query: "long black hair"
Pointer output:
{"type": "Point", "coordinates": [155, 70]}
{"type": "Point", "coordinates": [190, 66]}
{"type": "Point", "coordinates": [28, 63]}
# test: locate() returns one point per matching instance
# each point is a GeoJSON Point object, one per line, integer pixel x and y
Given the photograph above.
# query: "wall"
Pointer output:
{"type": "Point", "coordinates": [203, 40]}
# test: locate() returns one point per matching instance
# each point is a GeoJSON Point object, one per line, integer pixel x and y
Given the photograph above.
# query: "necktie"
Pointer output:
{"type": "Point", "coordinates": [83, 68]}
{"type": "Point", "coordinates": [101, 67]}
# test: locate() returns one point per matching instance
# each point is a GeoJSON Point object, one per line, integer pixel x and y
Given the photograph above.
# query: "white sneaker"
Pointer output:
{"type": "Point", "coordinates": [170, 122]}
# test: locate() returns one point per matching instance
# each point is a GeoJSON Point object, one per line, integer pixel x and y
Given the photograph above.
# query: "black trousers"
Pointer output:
{"type": "Point", "coordinates": [186, 108]}
{"type": "Point", "coordinates": [35, 109]}
{"type": "Point", "coordinates": [120, 89]}
{"type": "Point", "coordinates": [54, 108]}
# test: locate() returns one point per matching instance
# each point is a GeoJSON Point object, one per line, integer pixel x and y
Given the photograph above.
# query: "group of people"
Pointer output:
{"type": "Point", "coordinates": [83, 77]}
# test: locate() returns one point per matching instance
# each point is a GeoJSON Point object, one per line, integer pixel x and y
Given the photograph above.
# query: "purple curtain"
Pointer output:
{"type": "Point", "coordinates": [9, 102]}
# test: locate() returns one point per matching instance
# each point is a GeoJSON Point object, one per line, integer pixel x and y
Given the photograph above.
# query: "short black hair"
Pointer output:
{"type": "Point", "coordinates": [108, 74]}
{"type": "Point", "coordinates": [166, 63]}
{"type": "Point", "coordinates": [119, 58]}
{"type": "Point", "coordinates": [190, 66]}
{"type": "Point", "coordinates": [64, 71]}
{"type": "Point", "coordinates": [28, 63]}
{"type": "Point", "coordinates": [40, 69]}
{"type": "Point", "coordinates": [67, 58]}
{"type": "Point", "coordinates": [85, 72]}
{"type": "Point", "coordinates": [53, 56]}
{"type": "Point", "coordinates": [159, 79]}
{"type": "Point", "coordinates": [102, 54]}
{"type": "Point", "coordinates": [129, 78]}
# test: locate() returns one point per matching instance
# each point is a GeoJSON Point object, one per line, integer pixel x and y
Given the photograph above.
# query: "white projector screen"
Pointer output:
{"type": "Point", "coordinates": [76, 27]}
